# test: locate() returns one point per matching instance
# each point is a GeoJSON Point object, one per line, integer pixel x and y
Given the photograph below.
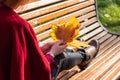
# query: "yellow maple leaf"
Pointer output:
{"type": "Point", "coordinates": [78, 44]}
{"type": "Point", "coordinates": [68, 32]}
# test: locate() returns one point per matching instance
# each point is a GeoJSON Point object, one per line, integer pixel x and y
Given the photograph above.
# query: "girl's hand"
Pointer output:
{"type": "Point", "coordinates": [47, 47]}
{"type": "Point", "coordinates": [57, 48]}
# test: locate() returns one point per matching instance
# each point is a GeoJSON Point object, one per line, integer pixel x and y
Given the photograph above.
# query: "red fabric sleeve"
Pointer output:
{"type": "Point", "coordinates": [52, 63]}
{"type": "Point", "coordinates": [20, 55]}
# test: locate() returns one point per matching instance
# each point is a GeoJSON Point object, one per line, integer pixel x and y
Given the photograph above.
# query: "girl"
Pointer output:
{"type": "Point", "coordinates": [20, 56]}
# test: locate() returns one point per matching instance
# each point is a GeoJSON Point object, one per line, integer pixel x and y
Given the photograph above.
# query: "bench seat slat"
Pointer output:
{"type": "Point", "coordinates": [89, 22]}
{"type": "Point", "coordinates": [77, 76]}
{"type": "Point", "coordinates": [97, 61]}
{"type": "Point", "coordinates": [67, 76]}
{"type": "Point", "coordinates": [98, 36]}
{"type": "Point", "coordinates": [93, 33]}
{"type": "Point", "coordinates": [108, 41]}
{"type": "Point", "coordinates": [87, 29]}
{"type": "Point", "coordinates": [105, 38]}
{"type": "Point", "coordinates": [115, 41]}
{"type": "Point", "coordinates": [64, 72]}
{"type": "Point", "coordinates": [62, 75]}
{"type": "Point", "coordinates": [108, 46]}
{"type": "Point", "coordinates": [80, 73]}
{"type": "Point", "coordinates": [113, 72]}
{"type": "Point", "coordinates": [106, 66]}
{"type": "Point", "coordinates": [116, 77]}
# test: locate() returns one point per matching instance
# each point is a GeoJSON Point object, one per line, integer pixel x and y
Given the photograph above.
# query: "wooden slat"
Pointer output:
{"type": "Point", "coordinates": [107, 41]}
{"type": "Point", "coordinates": [93, 33]}
{"type": "Point", "coordinates": [88, 22]}
{"type": "Point", "coordinates": [87, 29]}
{"type": "Point", "coordinates": [43, 35]}
{"type": "Point", "coordinates": [87, 16]}
{"type": "Point", "coordinates": [73, 78]}
{"type": "Point", "coordinates": [104, 67]}
{"type": "Point", "coordinates": [115, 41]}
{"type": "Point", "coordinates": [56, 21]}
{"type": "Point", "coordinates": [105, 56]}
{"type": "Point", "coordinates": [108, 46]}
{"type": "Point", "coordinates": [96, 65]}
{"type": "Point", "coordinates": [97, 61]}
{"type": "Point", "coordinates": [61, 74]}
{"type": "Point", "coordinates": [69, 73]}
{"type": "Point", "coordinates": [67, 76]}
{"type": "Point", "coordinates": [37, 4]}
{"type": "Point", "coordinates": [105, 38]}
{"type": "Point", "coordinates": [112, 72]}
{"type": "Point", "coordinates": [58, 13]}
{"type": "Point", "coordinates": [98, 36]}
{"type": "Point", "coordinates": [47, 33]}
{"type": "Point", "coordinates": [117, 77]}
{"type": "Point", "coordinates": [48, 9]}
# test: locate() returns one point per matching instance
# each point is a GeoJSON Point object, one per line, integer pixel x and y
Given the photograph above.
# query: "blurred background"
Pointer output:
{"type": "Point", "coordinates": [109, 14]}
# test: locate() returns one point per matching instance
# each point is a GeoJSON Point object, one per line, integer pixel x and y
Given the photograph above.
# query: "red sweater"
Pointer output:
{"type": "Point", "coordinates": [20, 56]}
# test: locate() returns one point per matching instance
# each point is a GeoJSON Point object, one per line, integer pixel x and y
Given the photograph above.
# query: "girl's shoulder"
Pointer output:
{"type": "Point", "coordinates": [9, 17]}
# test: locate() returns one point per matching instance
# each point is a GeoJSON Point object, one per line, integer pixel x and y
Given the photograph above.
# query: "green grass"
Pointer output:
{"type": "Point", "coordinates": [109, 14]}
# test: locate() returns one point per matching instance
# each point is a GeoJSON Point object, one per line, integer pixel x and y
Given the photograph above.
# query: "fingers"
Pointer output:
{"type": "Point", "coordinates": [50, 43]}
{"type": "Point", "coordinates": [61, 42]}
{"type": "Point", "coordinates": [61, 45]}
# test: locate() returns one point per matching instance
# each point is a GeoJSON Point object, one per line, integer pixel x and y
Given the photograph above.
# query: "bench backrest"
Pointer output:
{"type": "Point", "coordinates": [42, 14]}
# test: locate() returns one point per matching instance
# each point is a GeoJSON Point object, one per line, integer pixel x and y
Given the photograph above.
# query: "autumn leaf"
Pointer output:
{"type": "Point", "coordinates": [78, 44]}
{"type": "Point", "coordinates": [68, 32]}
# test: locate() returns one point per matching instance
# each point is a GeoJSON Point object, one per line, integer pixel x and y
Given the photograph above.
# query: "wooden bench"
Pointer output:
{"type": "Point", "coordinates": [42, 14]}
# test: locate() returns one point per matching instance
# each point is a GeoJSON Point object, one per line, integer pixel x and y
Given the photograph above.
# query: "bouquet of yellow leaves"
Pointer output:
{"type": "Point", "coordinates": [68, 32]}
